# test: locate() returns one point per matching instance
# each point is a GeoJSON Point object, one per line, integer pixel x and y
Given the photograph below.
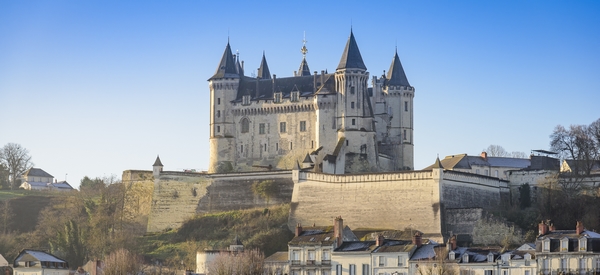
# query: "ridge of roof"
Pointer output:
{"type": "Point", "coordinates": [37, 172]}
{"type": "Point", "coordinates": [226, 67]}
{"type": "Point", "coordinates": [396, 75]}
{"type": "Point", "coordinates": [351, 57]}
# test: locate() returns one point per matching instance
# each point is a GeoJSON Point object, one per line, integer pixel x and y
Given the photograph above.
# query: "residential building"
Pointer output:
{"type": "Point", "coordinates": [34, 262]}
{"type": "Point", "coordinates": [484, 165]}
{"type": "Point", "coordinates": [310, 251]}
{"type": "Point", "coordinates": [277, 264]}
{"type": "Point", "coordinates": [567, 251]}
{"type": "Point", "coordinates": [206, 257]}
{"type": "Point", "coordinates": [36, 179]}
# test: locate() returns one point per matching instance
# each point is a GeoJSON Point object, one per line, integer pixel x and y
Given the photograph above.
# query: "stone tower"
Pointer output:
{"type": "Point", "coordinates": [223, 89]}
{"type": "Point", "coordinates": [354, 113]}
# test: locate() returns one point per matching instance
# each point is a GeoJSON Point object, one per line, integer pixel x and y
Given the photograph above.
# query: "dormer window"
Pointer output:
{"type": "Point", "coordinates": [294, 96]}
{"type": "Point", "coordinates": [451, 255]}
{"type": "Point", "coordinates": [564, 244]}
{"type": "Point", "coordinates": [490, 257]}
{"type": "Point", "coordinates": [527, 259]}
{"type": "Point", "coordinates": [546, 245]}
{"type": "Point", "coordinates": [583, 244]}
{"type": "Point", "coordinates": [465, 258]}
{"type": "Point", "coordinates": [246, 100]}
{"type": "Point", "coordinates": [277, 98]}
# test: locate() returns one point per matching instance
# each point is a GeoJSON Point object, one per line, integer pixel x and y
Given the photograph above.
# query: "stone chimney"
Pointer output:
{"type": "Point", "coordinates": [551, 228]}
{"type": "Point", "coordinates": [417, 239]}
{"type": "Point", "coordinates": [484, 155]}
{"type": "Point", "coordinates": [338, 227]}
{"type": "Point", "coordinates": [579, 227]}
{"type": "Point", "coordinates": [379, 240]}
{"type": "Point", "coordinates": [451, 243]}
{"type": "Point", "coordinates": [315, 82]}
{"type": "Point", "coordinates": [298, 229]}
{"type": "Point", "coordinates": [542, 228]}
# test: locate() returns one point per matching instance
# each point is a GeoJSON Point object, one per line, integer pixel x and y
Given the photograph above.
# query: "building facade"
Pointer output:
{"type": "Point", "coordinates": [336, 119]}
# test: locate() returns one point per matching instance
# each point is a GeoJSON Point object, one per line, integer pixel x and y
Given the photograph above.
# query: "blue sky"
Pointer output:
{"type": "Point", "coordinates": [97, 87]}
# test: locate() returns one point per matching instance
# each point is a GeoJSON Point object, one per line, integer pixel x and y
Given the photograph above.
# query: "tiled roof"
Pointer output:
{"type": "Point", "coordinates": [37, 172]}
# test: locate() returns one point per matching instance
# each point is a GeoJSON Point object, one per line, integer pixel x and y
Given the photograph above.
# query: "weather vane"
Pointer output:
{"type": "Point", "coordinates": [304, 50]}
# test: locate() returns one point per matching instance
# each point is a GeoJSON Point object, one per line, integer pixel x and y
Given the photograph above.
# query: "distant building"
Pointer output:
{"type": "Point", "coordinates": [34, 262]}
{"type": "Point", "coordinates": [483, 165]}
{"type": "Point", "coordinates": [38, 179]}
{"type": "Point", "coordinates": [206, 257]}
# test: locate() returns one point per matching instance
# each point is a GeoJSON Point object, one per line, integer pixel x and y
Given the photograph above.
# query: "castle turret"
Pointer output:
{"type": "Point", "coordinates": [223, 89]}
{"type": "Point", "coordinates": [354, 112]}
{"type": "Point", "coordinates": [157, 167]}
{"type": "Point", "coordinates": [263, 70]}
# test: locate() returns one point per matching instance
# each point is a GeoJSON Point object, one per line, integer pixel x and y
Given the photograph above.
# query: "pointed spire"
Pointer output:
{"type": "Point", "coordinates": [263, 71]}
{"type": "Point", "coordinates": [396, 75]}
{"type": "Point", "coordinates": [157, 162]}
{"type": "Point", "coordinates": [239, 68]}
{"type": "Point", "coordinates": [351, 57]}
{"type": "Point", "coordinates": [438, 164]}
{"type": "Point", "coordinates": [227, 65]}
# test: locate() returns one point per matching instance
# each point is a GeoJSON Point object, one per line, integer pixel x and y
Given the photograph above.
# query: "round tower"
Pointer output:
{"type": "Point", "coordinates": [223, 90]}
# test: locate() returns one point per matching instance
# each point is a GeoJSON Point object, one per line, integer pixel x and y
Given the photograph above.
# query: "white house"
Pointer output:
{"type": "Point", "coordinates": [34, 262]}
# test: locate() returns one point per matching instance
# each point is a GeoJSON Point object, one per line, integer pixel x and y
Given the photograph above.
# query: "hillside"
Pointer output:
{"type": "Point", "coordinates": [256, 228]}
{"type": "Point", "coordinates": [25, 207]}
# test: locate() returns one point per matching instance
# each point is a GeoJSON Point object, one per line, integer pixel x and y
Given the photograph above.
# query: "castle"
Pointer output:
{"type": "Point", "coordinates": [332, 122]}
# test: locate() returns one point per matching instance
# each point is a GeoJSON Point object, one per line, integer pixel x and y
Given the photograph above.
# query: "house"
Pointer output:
{"type": "Point", "coordinates": [567, 251]}
{"type": "Point", "coordinates": [483, 164]}
{"type": "Point", "coordinates": [34, 262]}
{"type": "Point", "coordinates": [61, 186]}
{"type": "Point", "coordinates": [36, 179]}
{"type": "Point", "coordinates": [310, 250]}
{"type": "Point", "coordinates": [277, 264]}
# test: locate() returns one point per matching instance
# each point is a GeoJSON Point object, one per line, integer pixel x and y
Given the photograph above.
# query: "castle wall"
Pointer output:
{"type": "Point", "coordinates": [178, 196]}
{"type": "Point", "coordinates": [138, 195]}
{"type": "Point", "coordinates": [463, 190]}
{"type": "Point", "coordinates": [383, 200]}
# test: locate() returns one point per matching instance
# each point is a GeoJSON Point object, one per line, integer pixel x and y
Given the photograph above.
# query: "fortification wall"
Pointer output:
{"type": "Point", "coordinates": [382, 200]}
{"type": "Point", "coordinates": [464, 190]}
{"type": "Point", "coordinates": [139, 189]}
{"type": "Point", "coordinates": [179, 196]}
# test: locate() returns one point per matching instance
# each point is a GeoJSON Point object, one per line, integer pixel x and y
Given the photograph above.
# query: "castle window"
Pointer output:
{"type": "Point", "coordinates": [218, 113]}
{"type": "Point", "coordinates": [245, 125]}
{"type": "Point", "coordinates": [352, 104]}
{"type": "Point", "coordinates": [404, 134]}
{"type": "Point", "coordinates": [218, 129]}
{"type": "Point", "coordinates": [291, 146]}
{"type": "Point", "coordinates": [282, 127]}
{"type": "Point", "coordinates": [294, 96]}
{"type": "Point", "coordinates": [261, 128]}
{"type": "Point", "coordinates": [218, 101]}
{"type": "Point", "coordinates": [353, 121]}
{"type": "Point", "coordinates": [246, 100]}
{"type": "Point", "coordinates": [302, 126]}
{"type": "Point", "coordinates": [265, 147]}
{"type": "Point", "coordinates": [406, 106]}
{"type": "Point", "coordinates": [276, 146]}
{"type": "Point", "coordinates": [352, 90]}
{"type": "Point", "coordinates": [242, 148]}
{"type": "Point", "coordinates": [277, 98]}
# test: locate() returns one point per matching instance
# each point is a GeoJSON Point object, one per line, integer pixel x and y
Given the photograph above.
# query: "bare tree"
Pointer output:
{"type": "Point", "coordinates": [16, 158]}
{"type": "Point", "coordinates": [122, 261]}
{"type": "Point", "coordinates": [496, 151]}
{"type": "Point", "coordinates": [492, 231]}
{"type": "Point", "coordinates": [518, 154]}
{"type": "Point", "coordinates": [250, 262]}
{"type": "Point", "coordinates": [579, 143]}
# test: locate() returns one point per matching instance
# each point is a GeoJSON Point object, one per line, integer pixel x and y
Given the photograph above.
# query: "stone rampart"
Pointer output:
{"type": "Point", "coordinates": [179, 196]}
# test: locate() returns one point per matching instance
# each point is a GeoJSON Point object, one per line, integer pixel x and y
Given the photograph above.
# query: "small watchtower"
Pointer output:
{"type": "Point", "coordinates": [157, 167]}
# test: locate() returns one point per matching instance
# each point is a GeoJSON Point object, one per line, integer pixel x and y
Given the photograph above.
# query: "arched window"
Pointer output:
{"type": "Point", "coordinates": [245, 125]}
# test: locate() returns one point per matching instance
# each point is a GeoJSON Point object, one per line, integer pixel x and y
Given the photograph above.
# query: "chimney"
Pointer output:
{"type": "Point", "coordinates": [579, 227]}
{"type": "Point", "coordinates": [379, 240]}
{"type": "Point", "coordinates": [315, 83]}
{"type": "Point", "coordinates": [551, 228]}
{"type": "Point", "coordinates": [322, 78]}
{"type": "Point", "coordinates": [338, 227]}
{"type": "Point", "coordinates": [484, 155]}
{"type": "Point", "coordinates": [451, 243]}
{"type": "Point", "coordinates": [274, 78]}
{"type": "Point", "coordinates": [417, 239]}
{"type": "Point", "coordinates": [298, 229]}
{"type": "Point", "coordinates": [542, 228]}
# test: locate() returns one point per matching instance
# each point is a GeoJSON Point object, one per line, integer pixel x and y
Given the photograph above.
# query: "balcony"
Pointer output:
{"type": "Point", "coordinates": [325, 262]}
{"type": "Point", "coordinates": [311, 262]}
{"type": "Point", "coordinates": [295, 262]}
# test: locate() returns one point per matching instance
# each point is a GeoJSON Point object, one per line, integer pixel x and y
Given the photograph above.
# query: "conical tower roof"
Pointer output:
{"type": "Point", "coordinates": [437, 164]}
{"type": "Point", "coordinates": [227, 67]}
{"type": "Point", "coordinates": [263, 71]}
{"type": "Point", "coordinates": [351, 57]}
{"type": "Point", "coordinates": [303, 70]}
{"type": "Point", "coordinates": [157, 162]}
{"type": "Point", "coordinates": [396, 75]}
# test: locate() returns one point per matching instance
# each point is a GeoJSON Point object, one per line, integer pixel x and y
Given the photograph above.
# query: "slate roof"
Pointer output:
{"type": "Point", "coordinates": [263, 89]}
{"type": "Point", "coordinates": [322, 235]}
{"type": "Point", "coordinates": [303, 70]}
{"type": "Point", "coordinates": [37, 172]}
{"type": "Point", "coordinates": [351, 57]}
{"type": "Point", "coordinates": [425, 252]}
{"type": "Point", "coordinates": [396, 75]}
{"type": "Point", "coordinates": [395, 246]}
{"type": "Point", "coordinates": [227, 67]}
{"type": "Point", "coordinates": [62, 185]}
{"type": "Point", "coordinates": [35, 255]}
{"type": "Point", "coordinates": [356, 246]}
{"type": "Point", "coordinates": [263, 70]}
{"type": "Point", "coordinates": [157, 162]}
{"type": "Point", "coordinates": [593, 240]}
{"type": "Point", "coordinates": [277, 257]}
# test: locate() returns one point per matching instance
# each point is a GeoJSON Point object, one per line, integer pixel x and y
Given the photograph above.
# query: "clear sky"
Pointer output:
{"type": "Point", "coordinates": [97, 87]}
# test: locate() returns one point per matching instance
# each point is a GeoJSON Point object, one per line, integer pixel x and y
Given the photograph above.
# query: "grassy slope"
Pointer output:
{"type": "Point", "coordinates": [255, 228]}
{"type": "Point", "coordinates": [25, 207]}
